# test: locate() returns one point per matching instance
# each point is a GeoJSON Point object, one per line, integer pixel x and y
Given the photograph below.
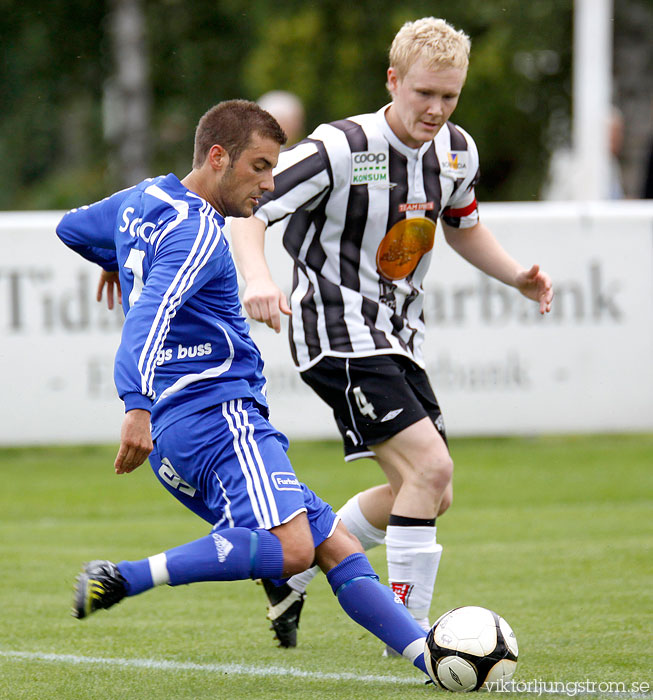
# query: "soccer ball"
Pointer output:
{"type": "Point", "coordinates": [470, 648]}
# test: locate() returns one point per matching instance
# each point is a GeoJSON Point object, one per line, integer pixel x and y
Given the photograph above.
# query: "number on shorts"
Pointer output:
{"type": "Point", "coordinates": [364, 406]}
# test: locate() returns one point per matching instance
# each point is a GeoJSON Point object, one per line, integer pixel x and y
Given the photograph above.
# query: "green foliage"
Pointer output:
{"type": "Point", "coordinates": [553, 533]}
{"type": "Point", "coordinates": [519, 73]}
{"type": "Point", "coordinates": [332, 53]}
{"type": "Point", "coordinates": [48, 67]}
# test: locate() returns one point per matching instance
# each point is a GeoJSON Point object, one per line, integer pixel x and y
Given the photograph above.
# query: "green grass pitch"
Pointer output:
{"type": "Point", "coordinates": [554, 533]}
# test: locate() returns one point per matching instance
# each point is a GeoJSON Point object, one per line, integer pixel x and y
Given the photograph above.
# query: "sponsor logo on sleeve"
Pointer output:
{"type": "Point", "coordinates": [455, 164]}
{"type": "Point", "coordinates": [286, 481]}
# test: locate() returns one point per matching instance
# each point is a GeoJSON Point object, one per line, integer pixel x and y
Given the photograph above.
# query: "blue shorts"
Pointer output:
{"type": "Point", "coordinates": [229, 466]}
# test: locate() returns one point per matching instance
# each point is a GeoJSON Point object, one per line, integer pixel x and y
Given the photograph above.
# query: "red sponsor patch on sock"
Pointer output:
{"type": "Point", "coordinates": [401, 590]}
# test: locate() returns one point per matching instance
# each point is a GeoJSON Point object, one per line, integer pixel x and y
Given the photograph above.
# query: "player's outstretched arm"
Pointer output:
{"type": "Point", "coordinates": [111, 280]}
{"type": "Point", "coordinates": [135, 441]}
{"type": "Point", "coordinates": [478, 246]}
{"type": "Point", "coordinates": [262, 298]}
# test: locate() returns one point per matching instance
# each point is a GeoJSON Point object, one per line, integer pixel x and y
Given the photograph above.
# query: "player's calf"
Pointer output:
{"type": "Point", "coordinates": [376, 608]}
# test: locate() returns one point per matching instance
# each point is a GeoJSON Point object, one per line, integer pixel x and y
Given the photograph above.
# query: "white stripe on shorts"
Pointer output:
{"type": "Point", "coordinates": [251, 463]}
{"type": "Point", "coordinates": [227, 509]}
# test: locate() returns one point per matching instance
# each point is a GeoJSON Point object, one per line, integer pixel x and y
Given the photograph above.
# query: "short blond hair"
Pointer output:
{"type": "Point", "coordinates": [431, 39]}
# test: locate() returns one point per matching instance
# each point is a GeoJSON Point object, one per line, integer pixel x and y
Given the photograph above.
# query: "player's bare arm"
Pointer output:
{"type": "Point", "coordinates": [135, 441]}
{"type": "Point", "coordinates": [110, 280]}
{"type": "Point", "coordinates": [479, 247]}
{"type": "Point", "coordinates": [262, 298]}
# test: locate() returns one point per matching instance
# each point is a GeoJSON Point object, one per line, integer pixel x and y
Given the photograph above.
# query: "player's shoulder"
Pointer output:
{"type": "Point", "coordinates": [347, 131]}
{"type": "Point", "coordinates": [453, 144]}
{"type": "Point", "coordinates": [166, 198]}
{"type": "Point", "coordinates": [330, 147]}
{"type": "Point", "coordinates": [137, 198]}
{"type": "Point", "coordinates": [456, 151]}
{"type": "Point", "coordinates": [166, 192]}
{"type": "Point", "coordinates": [338, 140]}
{"type": "Point", "coordinates": [174, 214]}
{"type": "Point", "coordinates": [453, 137]}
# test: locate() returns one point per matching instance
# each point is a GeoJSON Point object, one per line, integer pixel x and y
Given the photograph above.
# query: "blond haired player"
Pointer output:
{"type": "Point", "coordinates": [357, 204]}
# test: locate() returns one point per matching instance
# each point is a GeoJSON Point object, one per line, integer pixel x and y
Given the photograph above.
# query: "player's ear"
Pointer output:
{"type": "Point", "coordinates": [391, 82]}
{"type": "Point", "coordinates": [218, 157]}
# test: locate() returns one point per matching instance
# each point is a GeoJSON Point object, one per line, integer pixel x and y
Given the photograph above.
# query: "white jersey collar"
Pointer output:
{"type": "Point", "coordinates": [394, 140]}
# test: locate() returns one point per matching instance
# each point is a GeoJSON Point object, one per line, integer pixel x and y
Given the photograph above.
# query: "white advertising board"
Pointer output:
{"type": "Point", "coordinates": [497, 367]}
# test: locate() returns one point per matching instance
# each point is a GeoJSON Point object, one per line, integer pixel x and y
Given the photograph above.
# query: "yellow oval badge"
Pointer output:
{"type": "Point", "coordinates": [403, 247]}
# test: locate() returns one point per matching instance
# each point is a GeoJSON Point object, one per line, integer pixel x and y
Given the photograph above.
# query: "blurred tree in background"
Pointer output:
{"type": "Point", "coordinates": [58, 123]}
{"type": "Point", "coordinates": [52, 71]}
{"type": "Point", "coordinates": [519, 72]}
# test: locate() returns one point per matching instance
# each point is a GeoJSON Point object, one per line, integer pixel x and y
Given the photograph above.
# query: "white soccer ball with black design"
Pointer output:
{"type": "Point", "coordinates": [470, 648]}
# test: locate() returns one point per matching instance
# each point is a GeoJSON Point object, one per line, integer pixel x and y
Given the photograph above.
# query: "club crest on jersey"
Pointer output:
{"type": "Point", "coordinates": [370, 168]}
{"type": "Point", "coordinates": [403, 246]}
{"type": "Point", "coordinates": [455, 165]}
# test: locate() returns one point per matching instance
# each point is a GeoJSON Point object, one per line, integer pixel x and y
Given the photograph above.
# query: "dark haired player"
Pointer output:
{"type": "Point", "coordinates": [187, 366]}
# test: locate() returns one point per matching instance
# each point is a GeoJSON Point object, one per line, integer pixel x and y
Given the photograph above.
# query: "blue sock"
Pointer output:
{"type": "Point", "coordinates": [231, 554]}
{"type": "Point", "coordinates": [374, 607]}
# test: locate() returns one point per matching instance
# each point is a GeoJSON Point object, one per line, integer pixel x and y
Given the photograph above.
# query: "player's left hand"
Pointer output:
{"type": "Point", "coordinates": [135, 441]}
{"type": "Point", "coordinates": [265, 302]}
{"type": "Point", "coordinates": [109, 280]}
{"type": "Point", "coordinates": [536, 285]}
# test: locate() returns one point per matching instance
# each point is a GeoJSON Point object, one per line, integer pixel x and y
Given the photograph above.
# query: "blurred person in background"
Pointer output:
{"type": "Point", "coordinates": [357, 203]}
{"type": "Point", "coordinates": [563, 171]}
{"type": "Point", "coordinates": [288, 110]}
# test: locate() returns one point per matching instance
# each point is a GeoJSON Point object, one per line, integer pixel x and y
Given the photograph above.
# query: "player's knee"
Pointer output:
{"type": "Point", "coordinates": [435, 473]}
{"type": "Point", "coordinates": [298, 556]}
{"type": "Point", "coordinates": [297, 545]}
{"type": "Point", "coordinates": [447, 500]}
{"type": "Point", "coordinates": [444, 471]}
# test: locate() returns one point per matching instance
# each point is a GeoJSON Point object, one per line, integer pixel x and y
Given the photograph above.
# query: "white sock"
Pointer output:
{"type": "Point", "coordinates": [413, 559]}
{"type": "Point", "coordinates": [354, 520]}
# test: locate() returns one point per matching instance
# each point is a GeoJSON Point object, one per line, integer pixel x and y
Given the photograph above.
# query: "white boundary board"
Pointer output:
{"type": "Point", "coordinates": [497, 367]}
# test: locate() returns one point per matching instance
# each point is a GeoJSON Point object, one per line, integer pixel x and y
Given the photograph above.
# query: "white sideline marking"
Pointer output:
{"type": "Point", "coordinates": [236, 669]}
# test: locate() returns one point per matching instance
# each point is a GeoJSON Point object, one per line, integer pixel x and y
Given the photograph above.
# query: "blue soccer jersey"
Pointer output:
{"type": "Point", "coordinates": [183, 320]}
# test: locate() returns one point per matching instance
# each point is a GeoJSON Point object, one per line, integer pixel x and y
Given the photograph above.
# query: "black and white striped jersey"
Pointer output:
{"type": "Point", "coordinates": [358, 210]}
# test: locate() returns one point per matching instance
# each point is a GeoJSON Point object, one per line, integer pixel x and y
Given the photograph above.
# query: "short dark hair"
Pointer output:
{"type": "Point", "coordinates": [231, 125]}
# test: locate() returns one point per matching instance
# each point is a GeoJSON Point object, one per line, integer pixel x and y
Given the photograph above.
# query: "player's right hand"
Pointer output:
{"type": "Point", "coordinates": [135, 441]}
{"type": "Point", "coordinates": [265, 302]}
{"type": "Point", "coordinates": [109, 280]}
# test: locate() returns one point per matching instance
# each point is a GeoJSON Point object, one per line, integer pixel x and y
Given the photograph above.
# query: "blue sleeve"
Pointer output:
{"type": "Point", "coordinates": [89, 230]}
{"type": "Point", "coordinates": [180, 266]}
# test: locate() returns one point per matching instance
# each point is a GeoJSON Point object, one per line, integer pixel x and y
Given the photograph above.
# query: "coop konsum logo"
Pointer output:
{"type": "Point", "coordinates": [369, 168]}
